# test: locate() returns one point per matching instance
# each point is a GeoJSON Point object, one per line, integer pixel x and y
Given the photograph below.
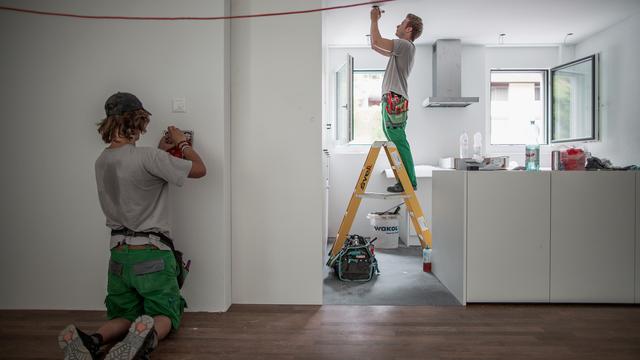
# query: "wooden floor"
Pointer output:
{"type": "Point", "coordinates": [363, 332]}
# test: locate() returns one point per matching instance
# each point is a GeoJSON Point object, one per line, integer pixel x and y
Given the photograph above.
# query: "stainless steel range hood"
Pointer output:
{"type": "Point", "coordinates": [447, 78]}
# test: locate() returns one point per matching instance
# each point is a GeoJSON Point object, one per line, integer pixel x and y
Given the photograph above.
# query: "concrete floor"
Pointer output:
{"type": "Point", "coordinates": [401, 282]}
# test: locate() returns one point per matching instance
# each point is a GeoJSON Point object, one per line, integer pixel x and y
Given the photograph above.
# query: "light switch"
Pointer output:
{"type": "Point", "coordinates": [179, 105]}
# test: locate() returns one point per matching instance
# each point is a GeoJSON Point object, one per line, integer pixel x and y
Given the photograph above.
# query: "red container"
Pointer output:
{"type": "Point", "coordinates": [426, 267]}
{"type": "Point", "coordinates": [573, 159]}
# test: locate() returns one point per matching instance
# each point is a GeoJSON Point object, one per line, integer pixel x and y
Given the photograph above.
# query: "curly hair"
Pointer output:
{"type": "Point", "coordinates": [415, 23]}
{"type": "Point", "coordinates": [126, 125]}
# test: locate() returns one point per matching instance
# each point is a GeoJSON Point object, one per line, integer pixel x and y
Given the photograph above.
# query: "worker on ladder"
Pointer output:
{"type": "Point", "coordinates": [395, 98]}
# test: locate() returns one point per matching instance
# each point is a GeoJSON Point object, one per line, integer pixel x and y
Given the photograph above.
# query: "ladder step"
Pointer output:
{"type": "Point", "coordinates": [383, 196]}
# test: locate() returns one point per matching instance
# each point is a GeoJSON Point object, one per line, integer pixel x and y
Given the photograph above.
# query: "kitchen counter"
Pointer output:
{"type": "Point", "coordinates": [545, 236]}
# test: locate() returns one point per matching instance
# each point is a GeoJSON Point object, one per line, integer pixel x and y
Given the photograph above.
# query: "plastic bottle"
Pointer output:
{"type": "Point", "coordinates": [477, 146]}
{"type": "Point", "coordinates": [426, 260]}
{"type": "Point", "coordinates": [532, 148]}
{"type": "Point", "coordinates": [464, 145]}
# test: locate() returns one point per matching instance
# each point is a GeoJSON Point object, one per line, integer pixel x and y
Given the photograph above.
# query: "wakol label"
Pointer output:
{"type": "Point", "coordinates": [387, 229]}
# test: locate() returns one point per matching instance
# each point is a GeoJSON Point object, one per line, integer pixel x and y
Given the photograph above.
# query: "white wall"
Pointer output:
{"type": "Point", "coordinates": [276, 157]}
{"type": "Point", "coordinates": [432, 133]}
{"type": "Point", "coordinates": [56, 74]}
{"type": "Point", "coordinates": [619, 50]}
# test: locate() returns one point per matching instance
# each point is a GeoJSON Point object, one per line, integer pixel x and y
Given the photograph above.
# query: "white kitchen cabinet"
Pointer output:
{"type": "Point", "coordinates": [508, 236]}
{"type": "Point", "coordinates": [538, 236]}
{"type": "Point", "coordinates": [593, 237]}
{"type": "Point", "coordinates": [449, 212]}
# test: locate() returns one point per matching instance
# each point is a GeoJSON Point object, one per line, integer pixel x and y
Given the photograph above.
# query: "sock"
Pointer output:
{"type": "Point", "coordinates": [97, 339]}
{"type": "Point", "coordinates": [154, 343]}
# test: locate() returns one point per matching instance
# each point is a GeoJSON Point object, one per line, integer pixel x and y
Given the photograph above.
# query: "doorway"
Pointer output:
{"type": "Point", "coordinates": [349, 73]}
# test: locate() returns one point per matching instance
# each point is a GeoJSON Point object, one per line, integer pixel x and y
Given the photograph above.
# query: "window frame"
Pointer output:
{"type": "Point", "coordinates": [546, 104]}
{"type": "Point", "coordinates": [595, 96]}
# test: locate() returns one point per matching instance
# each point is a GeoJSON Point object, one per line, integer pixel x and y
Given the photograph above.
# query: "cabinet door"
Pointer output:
{"type": "Point", "coordinates": [508, 237]}
{"type": "Point", "coordinates": [592, 237]}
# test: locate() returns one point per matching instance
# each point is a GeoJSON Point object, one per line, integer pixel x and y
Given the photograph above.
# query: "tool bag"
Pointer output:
{"type": "Point", "coordinates": [396, 107]}
{"type": "Point", "coordinates": [183, 268]}
{"type": "Point", "coordinates": [356, 261]}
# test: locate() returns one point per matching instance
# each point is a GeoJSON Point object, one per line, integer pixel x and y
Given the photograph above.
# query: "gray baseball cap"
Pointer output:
{"type": "Point", "coordinates": [122, 102]}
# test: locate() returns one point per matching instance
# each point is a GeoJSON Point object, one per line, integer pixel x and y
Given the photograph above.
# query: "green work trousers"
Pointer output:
{"type": "Point", "coordinates": [396, 133]}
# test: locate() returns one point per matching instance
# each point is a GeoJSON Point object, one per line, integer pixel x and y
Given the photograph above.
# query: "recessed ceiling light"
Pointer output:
{"type": "Point", "coordinates": [566, 37]}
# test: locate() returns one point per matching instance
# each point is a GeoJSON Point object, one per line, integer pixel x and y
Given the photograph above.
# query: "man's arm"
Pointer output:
{"type": "Point", "coordinates": [378, 43]}
{"type": "Point", "coordinates": [198, 168]}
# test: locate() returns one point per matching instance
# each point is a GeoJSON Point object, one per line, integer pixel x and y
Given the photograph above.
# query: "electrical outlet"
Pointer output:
{"type": "Point", "coordinates": [188, 133]}
{"type": "Point", "coordinates": [179, 105]}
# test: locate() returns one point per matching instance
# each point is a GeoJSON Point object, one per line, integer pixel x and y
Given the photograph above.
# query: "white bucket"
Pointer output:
{"type": "Point", "coordinates": [386, 228]}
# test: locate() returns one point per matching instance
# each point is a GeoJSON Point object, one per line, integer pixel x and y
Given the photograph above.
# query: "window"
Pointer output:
{"type": "Point", "coordinates": [517, 98]}
{"type": "Point", "coordinates": [358, 118]}
{"type": "Point", "coordinates": [574, 94]}
{"type": "Point", "coordinates": [367, 119]}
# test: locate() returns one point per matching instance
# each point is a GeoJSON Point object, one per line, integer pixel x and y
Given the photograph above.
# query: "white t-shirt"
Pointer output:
{"type": "Point", "coordinates": [133, 186]}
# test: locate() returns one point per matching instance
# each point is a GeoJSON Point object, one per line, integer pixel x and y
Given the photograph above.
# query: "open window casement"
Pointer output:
{"type": "Point", "coordinates": [344, 102]}
{"type": "Point", "coordinates": [575, 101]}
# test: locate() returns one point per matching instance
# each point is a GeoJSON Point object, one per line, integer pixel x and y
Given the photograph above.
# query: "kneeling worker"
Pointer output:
{"type": "Point", "coordinates": [143, 296]}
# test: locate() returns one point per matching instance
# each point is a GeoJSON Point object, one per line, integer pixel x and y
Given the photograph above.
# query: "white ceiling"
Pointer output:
{"type": "Point", "coordinates": [526, 22]}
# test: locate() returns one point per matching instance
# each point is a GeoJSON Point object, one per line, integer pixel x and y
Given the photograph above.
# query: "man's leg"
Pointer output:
{"type": "Point", "coordinates": [399, 137]}
{"type": "Point", "coordinates": [153, 275]}
{"type": "Point", "coordinates": [162, 325]}
{"type": "Point", "coordinates": [78, 345]}
{"type": "Point", "coordinates": [114, 330]}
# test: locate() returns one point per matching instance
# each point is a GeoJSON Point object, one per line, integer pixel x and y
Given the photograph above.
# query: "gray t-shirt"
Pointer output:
{"type": "Point", "coordinates": [133, 186]}
{"type": "Point", "coordinates": [399, 67]}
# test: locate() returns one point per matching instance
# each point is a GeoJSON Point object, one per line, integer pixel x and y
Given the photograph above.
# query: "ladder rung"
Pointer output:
{"type": "Point", "coordinates": [383, 196]}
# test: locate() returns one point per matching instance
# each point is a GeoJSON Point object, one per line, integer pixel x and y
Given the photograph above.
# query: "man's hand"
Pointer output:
{"type": "Point", "coordinates": [378, 43]}
{"type": "Point", "coordinates": [375, 13]}
{"type": "Point", "coordinates": [165, 143]}
{"type": "Point", "coordinates": [176, 135]}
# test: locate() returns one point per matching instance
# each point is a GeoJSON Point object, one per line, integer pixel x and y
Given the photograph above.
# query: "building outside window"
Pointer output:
{"type": "Point", "coordinates": [517, 98]}
{"type": "Point", "coordinates": [367, 127]}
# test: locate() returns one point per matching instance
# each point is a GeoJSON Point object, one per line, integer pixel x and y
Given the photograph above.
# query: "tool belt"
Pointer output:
{"type": "Point", "coordinates": [396, 107]}
{"type": "Point", "coordinates": [183, 268]}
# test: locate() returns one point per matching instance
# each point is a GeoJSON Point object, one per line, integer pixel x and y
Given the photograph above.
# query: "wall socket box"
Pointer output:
{"type": "Point", "coordinates": [188, 133]}
{"type": "Point", "coordinates": [179, 105]}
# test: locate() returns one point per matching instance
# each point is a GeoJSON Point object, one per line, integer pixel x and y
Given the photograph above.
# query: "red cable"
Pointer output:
{"type": "Point", "coordinates": [94, 17]}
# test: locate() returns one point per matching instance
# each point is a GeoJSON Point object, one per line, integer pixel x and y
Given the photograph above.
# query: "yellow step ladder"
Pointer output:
{"type": "Point", "coordinates": [409, 196]}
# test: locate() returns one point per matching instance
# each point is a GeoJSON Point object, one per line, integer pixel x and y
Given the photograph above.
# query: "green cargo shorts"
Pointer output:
{"type": "Point", "coordinates": [143, 282]}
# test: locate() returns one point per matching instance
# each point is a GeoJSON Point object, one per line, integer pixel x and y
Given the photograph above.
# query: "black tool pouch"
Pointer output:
{"type": "Point", "coordinates": [183, 271]}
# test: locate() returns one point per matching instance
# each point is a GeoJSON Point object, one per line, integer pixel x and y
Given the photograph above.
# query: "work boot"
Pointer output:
{"type": "Point", "coordinates": [141, 340]}
{"type": "Point", "coordinates": [77, 345]}
{"type": "Point", "coordinates": [397, 188]}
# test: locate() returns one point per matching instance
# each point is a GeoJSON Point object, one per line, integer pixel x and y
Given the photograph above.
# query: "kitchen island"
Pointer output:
{"type": "Point", "coordinates": [545, 236]}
